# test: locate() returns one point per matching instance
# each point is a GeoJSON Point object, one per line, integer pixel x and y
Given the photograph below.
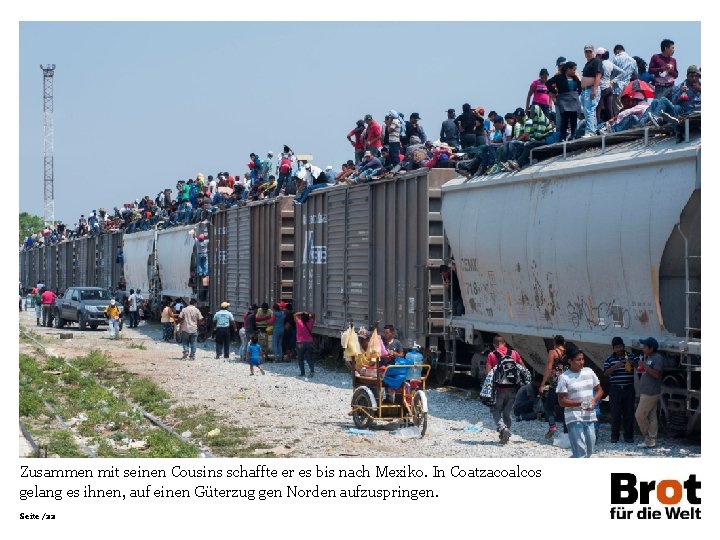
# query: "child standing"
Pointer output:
{"type": "Point", "coordinates": [254, 355]}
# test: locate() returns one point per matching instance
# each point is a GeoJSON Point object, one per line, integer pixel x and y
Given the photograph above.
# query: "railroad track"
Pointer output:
{"type": "Point", "coordinates": [203, 452]}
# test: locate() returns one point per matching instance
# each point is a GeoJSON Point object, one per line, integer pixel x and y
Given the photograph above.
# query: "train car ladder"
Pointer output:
{"type": "Point", "coordinates": [689, 361]}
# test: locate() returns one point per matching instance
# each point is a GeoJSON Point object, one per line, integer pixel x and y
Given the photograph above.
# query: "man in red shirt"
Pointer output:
{"type": "Point", "coordinates": [359, 143]}
{"type": "Point", "coordinates": [373, 136]}
{"type": "Point", "coordinates": [505, 393]}
{"type": "Point", "coordinates": [47, 298]}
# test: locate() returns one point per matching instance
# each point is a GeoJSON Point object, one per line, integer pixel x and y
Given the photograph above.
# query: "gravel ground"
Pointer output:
{"type": "Point", "coordinates": [310, 414]}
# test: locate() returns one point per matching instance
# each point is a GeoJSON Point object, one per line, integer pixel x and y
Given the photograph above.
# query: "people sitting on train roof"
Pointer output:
{"type": "Point", "coordinates": [634, 108]}
{"type": "Point", "coordinates": [197, 198]}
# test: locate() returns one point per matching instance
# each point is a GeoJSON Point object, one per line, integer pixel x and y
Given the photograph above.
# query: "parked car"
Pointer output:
{"type": "Point", "coordinates": [83, 305]}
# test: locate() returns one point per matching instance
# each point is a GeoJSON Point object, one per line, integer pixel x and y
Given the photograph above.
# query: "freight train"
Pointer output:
{"type": "Point", "coordinates": [599, 238]}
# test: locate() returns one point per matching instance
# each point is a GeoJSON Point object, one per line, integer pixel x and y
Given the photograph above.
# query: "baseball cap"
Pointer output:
{"type": "Point", "coordinates": [589, 47]}
{"type": "Point", "coordinates": [650, 342]}
{"type": "Point", "coordinates": [368, 117]}
{"type": "Point", "coordinates": [601, 50]}
{"type": "Point", "coordinates": [519, 112]}
{"type": "Point", "coordinates": [693, 69]}
{"type": "Point", "coordinates": [328, 168]}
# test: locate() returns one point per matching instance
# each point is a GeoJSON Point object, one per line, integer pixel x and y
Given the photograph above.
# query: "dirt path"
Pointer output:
{"type": "Point", "coordinates": [310, 415]}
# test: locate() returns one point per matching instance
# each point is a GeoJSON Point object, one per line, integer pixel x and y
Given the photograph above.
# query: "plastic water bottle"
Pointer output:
{"type": "Point", "coordinates": [417, 358]}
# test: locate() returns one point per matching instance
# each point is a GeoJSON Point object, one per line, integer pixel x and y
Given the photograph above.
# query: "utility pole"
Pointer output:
{"type": "Point", "coordinates": [49, 143]}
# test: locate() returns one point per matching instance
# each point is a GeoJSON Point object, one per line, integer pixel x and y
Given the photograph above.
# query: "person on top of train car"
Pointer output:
{"type": "Point", "coordinates": [372, 136]}
{"type": "Point", "coordinates": [370, 166]}
{"type": "Point", "coordinates": [466, 123]}
{"type": "Point", "coordinates": [358, 143]}
{"type": "Point", "coordinates": [536, 132]}
{"type": "Point", "coordinates": [319, 180]}
{"type": "Point", "coordinates": [664, 68]}
{"type": "Point", "coordinates": [413, 128]}
{"type": "Point", "coordinates": [651, 366]}
{"type": "Point", "coordinates": [391, 137]}
{"type": "Point", "coordinates": [449, 132]}
{"type": "Point", "coordinates": [619, 367]}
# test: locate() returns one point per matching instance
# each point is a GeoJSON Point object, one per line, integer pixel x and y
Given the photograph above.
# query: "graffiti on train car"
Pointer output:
{"type": "Point", "coordinates": [603, 316]}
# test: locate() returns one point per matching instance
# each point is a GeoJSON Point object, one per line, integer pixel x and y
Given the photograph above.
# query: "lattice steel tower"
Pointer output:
{"type": "Point", "coordinates": [49, 138]}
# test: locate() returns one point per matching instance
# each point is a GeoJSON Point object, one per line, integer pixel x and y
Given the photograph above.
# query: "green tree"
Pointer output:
{"type": "Point", "coordinates": [29, 225]}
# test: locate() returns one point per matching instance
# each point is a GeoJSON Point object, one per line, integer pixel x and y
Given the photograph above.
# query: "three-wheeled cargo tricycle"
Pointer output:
{"type": "Point", "coordinates": [394, 392]}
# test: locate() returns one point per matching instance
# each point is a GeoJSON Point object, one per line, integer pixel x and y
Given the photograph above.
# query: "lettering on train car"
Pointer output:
{"type": "Point", "coordinates": [313, 254]}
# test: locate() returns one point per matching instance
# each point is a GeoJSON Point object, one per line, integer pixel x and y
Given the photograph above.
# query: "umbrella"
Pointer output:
{"type": "Point", "coordinates": [638, 86]}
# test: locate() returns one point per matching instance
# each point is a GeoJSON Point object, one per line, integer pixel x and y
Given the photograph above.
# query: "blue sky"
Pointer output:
{"type": "Point", "coordinates": [140, 105]}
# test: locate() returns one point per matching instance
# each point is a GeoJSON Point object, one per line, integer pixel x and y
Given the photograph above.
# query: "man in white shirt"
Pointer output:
{"type": "Point", "coordinates": [579, 390]}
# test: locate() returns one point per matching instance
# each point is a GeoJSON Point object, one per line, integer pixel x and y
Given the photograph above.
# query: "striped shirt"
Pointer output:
{"type": "Point", "coordinates": [628, 66]}
{"type": "Point", "coordinates": [538, 127]}
{"type": "Point", "coordinates": [621, 376]}
{"type": "Point", "coordinates": [578, 387]}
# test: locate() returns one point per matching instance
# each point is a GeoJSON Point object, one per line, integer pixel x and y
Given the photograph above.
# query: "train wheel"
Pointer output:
{"type": "Point", "coordinates": [419, 412]}
{"type": "Point", "coordinates": [362, 403]}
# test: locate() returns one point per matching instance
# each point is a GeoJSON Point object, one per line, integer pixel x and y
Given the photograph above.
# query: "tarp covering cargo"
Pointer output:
{"type": "Point", "coordinates": [174, 256]}
{"type": "Point", "coordinates": [137, 250]}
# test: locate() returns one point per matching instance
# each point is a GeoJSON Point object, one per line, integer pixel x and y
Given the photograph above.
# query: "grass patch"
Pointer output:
{"type": "Point", "coordinates": [149, 395]}
{"type": "Point", "coordinates": [199, 421]}
{"type": "Point", "coordinates": [63, 444]}
{"type": "Point", "coordinates": [91, 394]}
{"type": "Point", "coordinates": [140, 346]}
{"type": "Point", "coordinates": [162, 444]}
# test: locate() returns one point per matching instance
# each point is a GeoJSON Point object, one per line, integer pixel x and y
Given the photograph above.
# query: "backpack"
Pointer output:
{"type": "Point", "coordinates": [506, 371]}
{"type": "Point", "coordinates": [285, 164]}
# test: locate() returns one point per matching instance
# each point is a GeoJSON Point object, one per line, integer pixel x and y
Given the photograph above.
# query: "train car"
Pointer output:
{"type": "Point", "coordinates": [139, 259]}
{"type": "Point", "coordinates": [252, 254]}
{"type": "Point", "coordinates": [372, 252]}
{"type": "Point", "coordinates": [604, 242]}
